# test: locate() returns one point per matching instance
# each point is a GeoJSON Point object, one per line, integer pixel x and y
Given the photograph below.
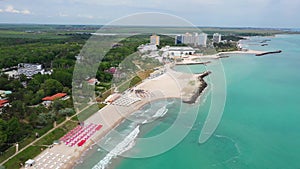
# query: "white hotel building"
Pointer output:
{"type": "Point", "coordinates": [217, 38]}
{"type": "Point", "coordinates": [194, 39]}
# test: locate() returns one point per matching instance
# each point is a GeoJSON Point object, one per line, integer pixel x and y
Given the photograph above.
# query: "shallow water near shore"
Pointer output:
{"type": "Point", "coordinates": [260, 124]}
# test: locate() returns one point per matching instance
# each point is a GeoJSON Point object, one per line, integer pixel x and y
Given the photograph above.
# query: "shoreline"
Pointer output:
{"type": "Point", "coordinates": [191, 60]}
{"type": "Point", "coordinates": [138, 106]}
{"type": "Point", "coordinates": [175, 85]}
{"type": "Point", "coordinates": [195, 96]}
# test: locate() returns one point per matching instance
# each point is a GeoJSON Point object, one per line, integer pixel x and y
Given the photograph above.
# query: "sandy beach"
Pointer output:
{"type": "Point", "coordinates": [171, 84]}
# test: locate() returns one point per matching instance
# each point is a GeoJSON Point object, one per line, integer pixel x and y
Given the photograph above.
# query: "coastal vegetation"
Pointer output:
{"type": "Point", "coordinates": [56, 51]}
{"type": "Point", "coordinates": [25, 116]}
{"type": "Point", "coordinates": [56, 48]}
{"type": "Point", "coordinates": [225, 47]}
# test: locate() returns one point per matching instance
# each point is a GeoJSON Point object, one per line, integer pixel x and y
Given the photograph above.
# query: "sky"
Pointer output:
{"type": "Point", "coordinates": [221, 13]}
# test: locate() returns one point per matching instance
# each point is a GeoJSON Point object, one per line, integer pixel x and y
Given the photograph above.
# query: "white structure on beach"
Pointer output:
{"type": "Point", "coordinates": [157, 73]}
{"type": "Point", "coordinates": [217, 38]}
{"type": "Point", "coordinates": [173, 52]}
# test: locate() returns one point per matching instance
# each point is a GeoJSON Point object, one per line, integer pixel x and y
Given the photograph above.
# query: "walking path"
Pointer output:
{"type": "Point", "coordinates": [36, 140]}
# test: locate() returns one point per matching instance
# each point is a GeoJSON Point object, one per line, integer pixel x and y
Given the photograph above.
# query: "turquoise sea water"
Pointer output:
{"type": "Point", "coordinates": [260, 128]}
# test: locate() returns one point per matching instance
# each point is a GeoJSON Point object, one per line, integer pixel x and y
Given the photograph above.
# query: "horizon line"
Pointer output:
{"type": "Point", "coordinates": [71, 24]}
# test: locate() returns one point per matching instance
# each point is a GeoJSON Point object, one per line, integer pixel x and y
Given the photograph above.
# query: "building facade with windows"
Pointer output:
{"type": "Point", "coordinates": [154, 40]}
{"type": "Point", "coordinates": [194, 39]}
{"type": "Point", "coordinates": [217, 38]}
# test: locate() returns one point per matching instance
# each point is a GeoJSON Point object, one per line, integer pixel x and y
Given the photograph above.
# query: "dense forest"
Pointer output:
{"type": "Point", "coordinates": [25, 116]}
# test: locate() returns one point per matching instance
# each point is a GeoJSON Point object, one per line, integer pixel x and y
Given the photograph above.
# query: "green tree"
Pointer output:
{"type": "Point", "coordinates": [33, 118]}
{"type": "Point", "coordinates": [23, 78]}
{"type": "Point", "coordinates": [41, 78]}
{"type": "Point", "coordinates": [52, 86]}
{"type": "Point", "coordinates": [63, 77]}
{"type": "Point", "coordinates": [66, 112]}
{"type": "Point", "coordinates": [18, 109]}
{"type": "Point", "coordinates": [29, 97]}
{"type": "Point", "coordinates": [14, 85]}
{"type": "Point", "coordinates": [3, 133]}
{"type": "Point", "coordinates": [14, 132]}
{"type": "Point", "coordinates": [3, 137]}
{"type": "Point", "coordinates": [34, 85]}
{"type": "Point", "coordinates": [42, 119]}
{"type": "Point", "coordinates": [57, 105]}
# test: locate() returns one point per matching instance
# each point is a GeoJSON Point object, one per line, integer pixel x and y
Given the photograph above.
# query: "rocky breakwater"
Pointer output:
{"type": "Point", "coordinates": [199, 84]}
{"type": "Point", "coordinates": [268, 53]}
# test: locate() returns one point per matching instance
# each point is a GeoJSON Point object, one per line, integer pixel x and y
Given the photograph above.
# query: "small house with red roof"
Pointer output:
{"type": "Point", "coordinates": [93, 81]}
{"type": "Point", "coordinates": [49, 99]}
{"type": "Point", "coordinates": [3, 103]}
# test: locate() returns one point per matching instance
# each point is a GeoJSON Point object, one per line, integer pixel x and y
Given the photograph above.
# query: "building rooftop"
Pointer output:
{"type": "Point", "coordinates": [30, 69]}
{"type": "Point", "coordinates": [175, 48]}
{"type": "Point", "coordinates": [3, 102]}
{"type": "Point", "coordinates": [56, 96]}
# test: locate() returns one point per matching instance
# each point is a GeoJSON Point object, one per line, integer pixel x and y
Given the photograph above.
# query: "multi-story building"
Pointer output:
{"type": "Point", "coordinates": [217, 38]}
{"type": "Point", "coordinates": [178, 39]}
{"type": "Point", "coordinates": [192, 39]}
{"type": "Point", "coordinates": [202, 40]}
{"type": "Point", "coordinates": [189, 39]}
{"type": "Point", "coordinates": [154, 40]}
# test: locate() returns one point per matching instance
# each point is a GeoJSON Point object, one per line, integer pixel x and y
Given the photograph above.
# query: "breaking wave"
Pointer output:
{"type": "Point", "coordinates": [122, 147]}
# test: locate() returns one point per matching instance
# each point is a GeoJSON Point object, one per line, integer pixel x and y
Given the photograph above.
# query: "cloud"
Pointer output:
{"type": "Point", "coordinates": [11, 9]}
{"type": "Point", "coordinates": [26, 12]}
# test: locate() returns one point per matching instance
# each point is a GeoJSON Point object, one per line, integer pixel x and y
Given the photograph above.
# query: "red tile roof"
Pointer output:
{"type": "Point", "coordinates": [3, 102]}
{"type": "Point", "coordinates": [56, 96]}
{"type": "Point", "coordinates": [92, 81]}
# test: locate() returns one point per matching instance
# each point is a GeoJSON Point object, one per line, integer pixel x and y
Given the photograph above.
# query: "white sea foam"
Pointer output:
{"type": "Point", "coordinates": [161, 112]}
{"type": "Point", "coordinates": [107, 141]}
{"type": "Point", "coordinates": [122, 147]}
{"type": "Point", "coordinates": [128, 142]}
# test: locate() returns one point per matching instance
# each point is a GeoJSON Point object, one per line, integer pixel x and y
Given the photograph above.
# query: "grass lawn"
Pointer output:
{"type": "Point", "coordinates": [48, 139]}
{"type": "Point", "coordinates": [9, 152]}
{"type": "Point", "coordinates": [88, 112]}
{"type": "Point", "coordinates": [56, 134]}
{"type": "Point", "coordinates": [128, 84]}
{"type": "Point", "coordinates": [29, 153]}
